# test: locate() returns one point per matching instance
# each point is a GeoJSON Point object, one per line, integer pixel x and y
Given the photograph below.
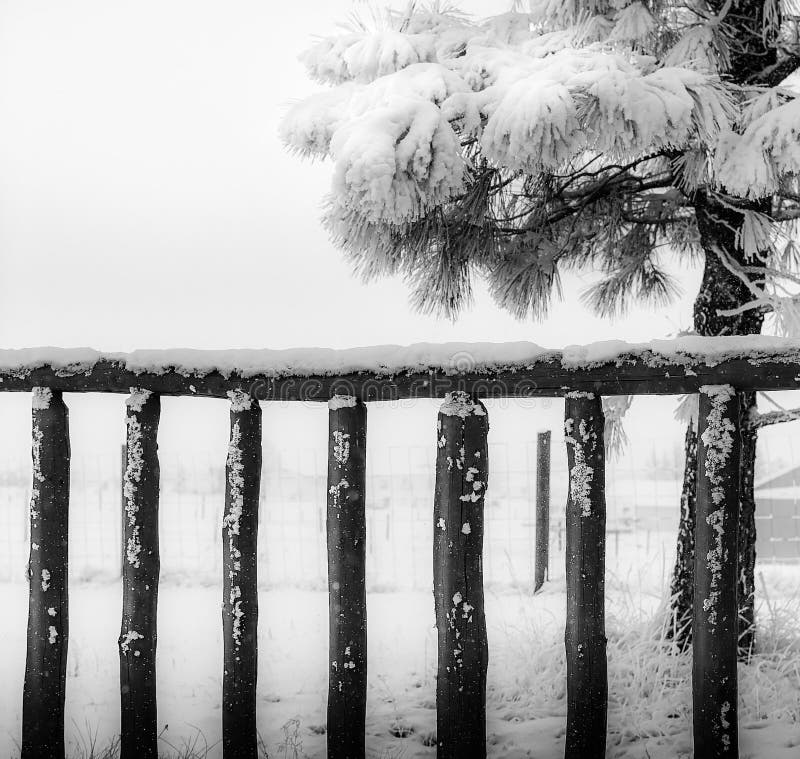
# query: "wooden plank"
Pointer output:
{"type": "Point", "coordinates": [628, 375]}
{"type": "Point", "coordinates": [141, 567]}
{"type": "Point", "coordinates": [585, 638]}
{"type": "Point", "coordinates": [347, 599]}
{"type": "Point", "coordinates": [542, 555]}
{"type": "Point", "coordinates": [48, 604]}
{"type": "Point", "coordinates": [461, 480]}
{"type": "Point", "coordinates": [715, 613]}
{"type": "Point", "coordinates": [240, 582]}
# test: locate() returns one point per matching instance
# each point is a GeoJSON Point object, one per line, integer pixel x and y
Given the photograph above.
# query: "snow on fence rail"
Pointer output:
{"type": "Point", "coordinates": [347, 380]}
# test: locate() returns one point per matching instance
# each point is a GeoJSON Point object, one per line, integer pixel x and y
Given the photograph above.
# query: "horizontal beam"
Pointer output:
{"type": "Point", "coordinates": [632, 374]}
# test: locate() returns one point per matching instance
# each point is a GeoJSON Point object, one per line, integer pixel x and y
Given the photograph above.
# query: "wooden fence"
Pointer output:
{"type": "Point", "coordinates": [462, 477]}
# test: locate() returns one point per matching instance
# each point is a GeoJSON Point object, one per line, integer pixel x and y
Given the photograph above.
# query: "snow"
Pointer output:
{"type": "Point", "coordinates": [136, 400]}
{"type": "Point", "coordinates": [36, 455]}
{"type": "Point", "coordinates": [341, 447]}
{"type": "Point", "coordinates": [581, 474]}
{"type": "Point", "coordinates": [128, 638]}
{"type": "Point", "coordinates": [717, 437]}
{"type": "Point", "coordinates": [364, 57]}
{"type": "Point", "coordinates": [460, 404]}
{"type": "Point", "coordinates": [388, 360]}
{"type": "Point", "coordinates": [718, 442]}
{"type": "Point", "coordinates": [532, 95]}
{"type": "Point", "coordinates": [341, 401]}
{"type": "Point", "coordinates": [240, 401]}
{"type": "Point", "coordinates": [132, 478]}
{"type": "Point", "coordinates": [41, 398]}
{"type": "Point", "coordinates": [526, 693]}
{"type": "Point", "coordinates": [232, 523]}
{"type": "Point", "coordinates": [751, 164]}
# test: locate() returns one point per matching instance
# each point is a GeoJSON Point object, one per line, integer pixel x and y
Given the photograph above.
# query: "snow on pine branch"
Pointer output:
{"type": "Point", "coordinates": [402, 105]}
{"type": "Point", "coordinates": [753, 163]}
{"type": "Point", "coordinates": [363, 57]}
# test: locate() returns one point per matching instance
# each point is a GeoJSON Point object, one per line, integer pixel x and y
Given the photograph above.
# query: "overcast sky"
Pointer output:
{"type": "Point", "coordinates": [146, 201]}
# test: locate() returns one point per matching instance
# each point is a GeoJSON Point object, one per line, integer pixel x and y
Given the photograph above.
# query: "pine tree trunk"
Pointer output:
{"type": "Point", "coordinates": [753, 60]}
{"type": "Point", "coordinates": [720, 289]}
{"type": "Point", "coordinates": [747, 531]}
{"type": "Point", "coordinates": [682, 586]}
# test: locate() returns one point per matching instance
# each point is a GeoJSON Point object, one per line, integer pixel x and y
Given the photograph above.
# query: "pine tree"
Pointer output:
{"type": "Point", "coordinates": [591, 134]}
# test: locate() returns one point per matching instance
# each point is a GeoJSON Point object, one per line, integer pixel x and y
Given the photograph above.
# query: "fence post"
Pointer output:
{"type": "Point", "coordinates": [585, 638]}
{"type": "Point", "coordinates": [140, 575]}
{"type": "Point", "coordinates": [48, 620]}
{"type": "Point", "coordinates": [240, 581]}
{"type": "Point", "coordinates": [461, 480]}
{"type": "Point", "coordinates": [542, 557]}
{"type": "Point", "coordinates": [715, 611]}
{"type": "Point", "coordinates": [347, 600]}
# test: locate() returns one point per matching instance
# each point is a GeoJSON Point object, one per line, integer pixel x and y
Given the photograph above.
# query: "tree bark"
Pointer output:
{"type": "Point", "coordinates": [463, 655]}
{"type": "Point", "coordinates": [720, 289]}
{"type": "Point", "coordinates": [140, 575]}
{"type": "Point", "coordinates": [585, 635]}
{"type": "Point", "coordinates": [48, 618]}
{"type": "Point", "coordinates": [347, 598]}
{"type": "Point", "coordinates": [542, 555]}
{"type": "Point", "coordinates": [240, 580]}
{"type": "Point", "coordinates": [753, 55]}
{"type": "Point", "coordinates": [714, 679]}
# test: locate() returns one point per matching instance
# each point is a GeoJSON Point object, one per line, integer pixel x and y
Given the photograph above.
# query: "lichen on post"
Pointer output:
{"type": "Point", "coordinates": [141, 568]}
{"type": "Point", "coordinates": [715, 611]}
{"type": "Point", "coordinates": [461, 481]}
{"type": "Point", "coordinates": [48, 620]}
{"type": "Point", "coordinates": [585, 637]}
{"type": "Point", "coordinates": [347, 600]}
{"type": "Point", "coordinates": [240, 582]}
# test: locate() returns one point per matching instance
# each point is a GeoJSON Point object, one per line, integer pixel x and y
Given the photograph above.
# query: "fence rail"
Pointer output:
{"type": "Point", "coordinates": [462, 479]}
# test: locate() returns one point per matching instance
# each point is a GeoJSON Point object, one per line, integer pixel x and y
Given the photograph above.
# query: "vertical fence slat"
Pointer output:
{"type": "Point", "coordinates": [48, 622]}
{"type": "Point", "coordinates": [542, 557]}
{"type": "Point", "coordinates": [141, 567]}
{"type": "Point", "coordinates": [240, 583]}
{"type": "Point", "coordinates": [347, 600]}
{"type": "Point", "coordinates": [461, 480]}
{"type": "Point", "coordinates": [585, 638]}
{"type": "Point", "coordinates": [715, 612]}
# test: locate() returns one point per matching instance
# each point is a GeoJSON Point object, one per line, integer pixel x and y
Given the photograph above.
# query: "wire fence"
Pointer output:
{"type": "Point", "coordinates": [643, 495]}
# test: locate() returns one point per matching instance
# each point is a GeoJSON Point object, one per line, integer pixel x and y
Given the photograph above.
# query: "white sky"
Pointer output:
{"type": "Point", "coordinates": [146, 201]}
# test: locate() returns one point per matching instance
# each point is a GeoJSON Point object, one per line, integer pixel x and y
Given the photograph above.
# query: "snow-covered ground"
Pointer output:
{"type": "Point", "coordinates": [649, 713]}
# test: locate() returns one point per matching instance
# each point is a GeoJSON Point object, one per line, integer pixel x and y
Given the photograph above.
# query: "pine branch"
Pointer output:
{"type": "Point", "coordinates": [757, 421]}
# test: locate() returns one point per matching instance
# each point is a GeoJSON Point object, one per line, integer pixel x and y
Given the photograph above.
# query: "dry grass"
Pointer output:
{"type": "Point", "coordinates": [649, 679]}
